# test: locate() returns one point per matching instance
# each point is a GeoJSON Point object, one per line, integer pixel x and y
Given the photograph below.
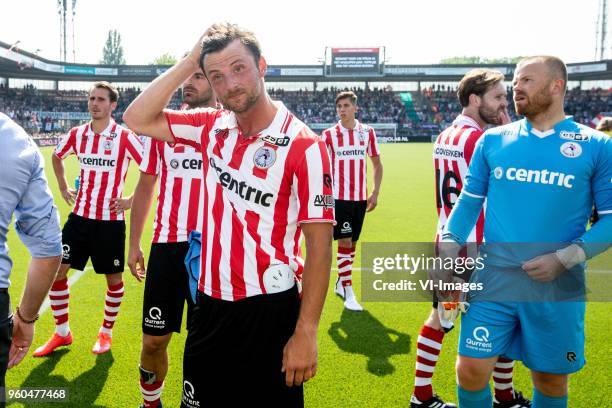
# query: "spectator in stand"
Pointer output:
{"type": "Point", "coordinates": [435, 106]}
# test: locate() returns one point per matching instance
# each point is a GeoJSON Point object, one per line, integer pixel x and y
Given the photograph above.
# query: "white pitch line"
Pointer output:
{"type": "Point", "coordinates": [71, 281]}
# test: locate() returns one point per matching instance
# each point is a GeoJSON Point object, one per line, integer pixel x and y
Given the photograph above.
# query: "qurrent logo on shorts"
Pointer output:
{"type": "Point", "coordinates": [189, 395]}
{"type": "Point", "coordinates": [154, 320]}
{"type": "Point", "coordinates": [544, 176]}
{"type": "Point", "coordinates": [65, 251]}
{"type": "Point", "coordinates": [479, 340]}
{"type": "Point", "coordinates": [346, 227]}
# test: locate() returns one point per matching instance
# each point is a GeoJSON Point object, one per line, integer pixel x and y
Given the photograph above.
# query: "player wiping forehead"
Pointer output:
{"type": "Point", "coordinates": [178, 213]}
{"type": "Point", "coordinates": [249, 331]}
{"type": "Point", "coordinates": [540, 177]}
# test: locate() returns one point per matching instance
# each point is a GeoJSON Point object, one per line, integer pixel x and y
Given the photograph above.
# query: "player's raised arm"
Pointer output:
{"type": "Point", "coordinates": [145, 115]}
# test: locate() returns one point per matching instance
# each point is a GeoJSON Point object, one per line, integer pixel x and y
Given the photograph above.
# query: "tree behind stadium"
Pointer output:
{"type": "Point", "coordinates": [112, 54]}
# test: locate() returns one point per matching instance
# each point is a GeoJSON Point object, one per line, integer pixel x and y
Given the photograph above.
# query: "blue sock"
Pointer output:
{"type": "Point", "coordinates": [475, 399]}
{"type": "Point", "coordinates": [542, 401]}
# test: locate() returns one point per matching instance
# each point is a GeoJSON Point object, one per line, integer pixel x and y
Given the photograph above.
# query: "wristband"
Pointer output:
{"type": "Point", "coordinates": [24, 320]}
{"type": "Point", "coordinates": [571, 256]}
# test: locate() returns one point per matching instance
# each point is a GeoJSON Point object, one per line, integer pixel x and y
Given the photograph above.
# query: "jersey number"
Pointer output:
{"type": "Point", "coordinates": [444, 190]}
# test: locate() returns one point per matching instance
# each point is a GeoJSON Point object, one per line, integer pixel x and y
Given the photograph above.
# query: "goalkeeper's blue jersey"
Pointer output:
{"type": "Point", "coordinates": [540, 186]}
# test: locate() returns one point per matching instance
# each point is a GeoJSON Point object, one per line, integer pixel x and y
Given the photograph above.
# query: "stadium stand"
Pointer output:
{"type": "Point", "coordinates": [421, 113]}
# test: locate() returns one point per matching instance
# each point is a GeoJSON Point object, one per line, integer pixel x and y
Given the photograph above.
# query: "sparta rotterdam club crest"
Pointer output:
{"type": "Point", "coordinates": [264, 157]}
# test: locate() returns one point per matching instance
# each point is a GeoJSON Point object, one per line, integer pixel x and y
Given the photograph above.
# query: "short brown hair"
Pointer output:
{"type": "Point", "coordinates": [555, 65]}
{"type": "Point", "coordinates": [347, 94]}
{"type": "Point", "coordinates": [477, 82]}
{"type": "Point", "coordinates": [113, 93]}
{"type": "Point", "coordinates": [220, 35]}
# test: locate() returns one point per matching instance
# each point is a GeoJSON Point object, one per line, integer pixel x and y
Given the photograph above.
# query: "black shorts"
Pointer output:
{"type": "Point", "coordinates": [166, 289]}
{"type": "Point", "coordinates": [234, 351]}
{"type": "Point", "coordinates": [103, 241]}
{"type": "Point", "coordinates": [349, 219]}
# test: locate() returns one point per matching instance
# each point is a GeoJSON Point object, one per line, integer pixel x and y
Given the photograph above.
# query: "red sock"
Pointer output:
{"type": "Point", "coordinates": [151, 393]}
{"type": "Point", "coordinates": [114, 296]}
{"type": "Point", "coordinates": [345, 266]}
{"type": "Point", "coordinates": [59, 296]}
{"type": "Point", "coordinates": [502, 379]}
{"type": "Point", "coordinates": [429, 345]}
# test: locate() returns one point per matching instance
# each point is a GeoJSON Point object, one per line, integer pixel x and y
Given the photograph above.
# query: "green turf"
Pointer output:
{"type": "Point", "coordinates": [365, 359]}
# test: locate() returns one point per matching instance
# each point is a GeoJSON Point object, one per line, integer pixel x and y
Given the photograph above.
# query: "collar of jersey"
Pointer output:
{"type": "Point", "coordinates": [542, 134]}
{"type": "Point", "coordinates": [357, 124]}
{"type": "Point", "coordinates": [230, 122]}
{"type": "Point", "coordinates": [106, 132]}
{"type": "Point", "coordinates": [463, 120]}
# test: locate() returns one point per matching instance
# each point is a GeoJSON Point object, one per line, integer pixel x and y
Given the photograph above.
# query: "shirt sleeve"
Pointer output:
{"type": "Point", "coordinates": [372, 144]}
{"type": "Point", "coordinates": [134, 147]}
{"type": "Point", "coordinates": [599, 237]}
{"type": "Point", "coordinates": [477, 178]}
{"type": "Point", "coordinates": [36, 217]}
{"type": "Point", "coordinates": [326, 138]}
{"type": "Point", "coordinates": [66, 145]}
{"type": "Point", "coordinates": [150, 157]}
{"type": "Point", "coordinates": [189, 127]}
{"type": "Point", "coordinates": [470, 144]}
{"type": "Point", "coordinates": [602, 179]}
{"type": "Point", "coordinates": [313, 185]}
{"type": "Point", "coordinates": [466, 210]}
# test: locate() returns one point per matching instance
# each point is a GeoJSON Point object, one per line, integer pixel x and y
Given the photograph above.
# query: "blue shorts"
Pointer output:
{"type": "Point", "coordinates": [547, 336]}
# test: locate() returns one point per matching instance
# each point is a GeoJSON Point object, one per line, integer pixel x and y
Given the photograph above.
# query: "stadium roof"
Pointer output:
{"type": "Point", "coordinates": [16, 63]}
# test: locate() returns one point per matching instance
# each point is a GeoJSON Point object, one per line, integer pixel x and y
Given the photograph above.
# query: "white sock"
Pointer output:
{"type": "Point", "coordinates": [348, 292]}
{"type": "Point", "coordinates": [63, 329]}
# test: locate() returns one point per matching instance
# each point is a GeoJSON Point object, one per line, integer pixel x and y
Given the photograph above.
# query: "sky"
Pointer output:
{"type": "Point", "coordinates": [290, 32]}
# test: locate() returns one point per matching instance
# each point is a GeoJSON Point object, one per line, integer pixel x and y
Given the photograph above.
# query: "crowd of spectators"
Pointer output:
{"type": "Point", "coordinates": [375, 105]}
{"type": "Point", "coordinates": [438, 105]}
{"type": "Point", "coordinates": [432, 108]}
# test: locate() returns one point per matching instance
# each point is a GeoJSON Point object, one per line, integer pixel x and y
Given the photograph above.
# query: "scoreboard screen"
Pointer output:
{"type": "Point", "coordinates": [355, 61]}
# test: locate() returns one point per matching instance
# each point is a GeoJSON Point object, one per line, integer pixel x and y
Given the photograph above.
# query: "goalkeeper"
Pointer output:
{"type": "Point", "coordinates": [540, 177]}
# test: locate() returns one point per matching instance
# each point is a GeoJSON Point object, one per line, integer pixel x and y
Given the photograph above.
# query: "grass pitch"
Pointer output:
{"type": "Point", "coordinates": [365, 359]}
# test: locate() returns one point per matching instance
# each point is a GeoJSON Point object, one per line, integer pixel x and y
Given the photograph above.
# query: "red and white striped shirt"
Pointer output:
{"type": "Point", "coordinates": [104, 159]}
{"type": "Point", "coordinates": [348, 149]}
{"type": "Point", "coordinates": [257, 192]}
{"type": "Point", "coordinates": [178, 196]}
{"type": "Point", "coordinates": [452, 153]}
